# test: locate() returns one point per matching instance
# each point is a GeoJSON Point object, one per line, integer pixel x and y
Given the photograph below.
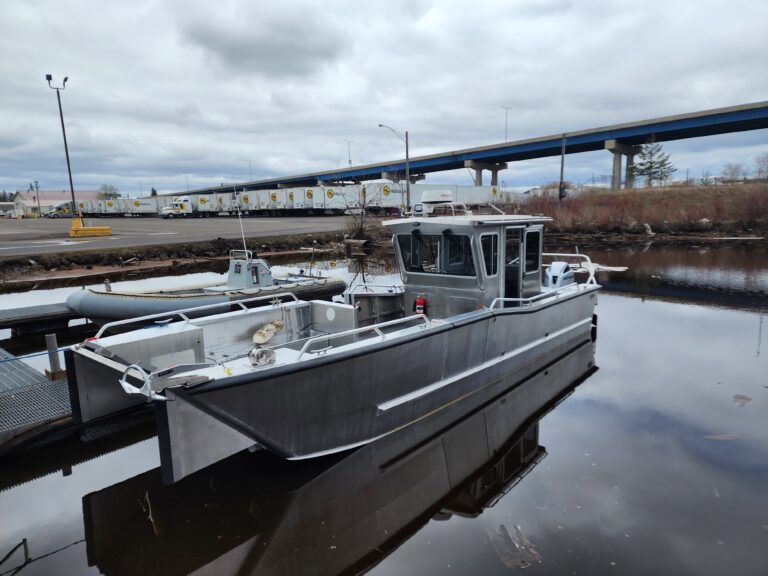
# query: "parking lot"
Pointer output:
{"type": "Point", "coordinates": [37, 236]}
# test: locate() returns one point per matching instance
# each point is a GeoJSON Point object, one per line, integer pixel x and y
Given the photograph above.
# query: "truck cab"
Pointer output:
{"type": "Point", "coordinates": [181, 207]}
{"type": "Point", "coordinates": [62, 210]}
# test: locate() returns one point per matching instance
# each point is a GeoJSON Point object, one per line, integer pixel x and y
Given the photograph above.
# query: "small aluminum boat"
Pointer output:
{"type": "Point", "coordinates": [247, 277]}
{"type": "Point", "coordinates": [308, 378]}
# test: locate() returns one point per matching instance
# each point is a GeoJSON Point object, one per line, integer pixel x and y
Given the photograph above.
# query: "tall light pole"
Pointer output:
{"type": "Point", "coordinates": [49, 78]}
{"type": "Point", "coordinates": [506, 120]}
{"type": "Point", "coordinates": [349, 151]}
{"type": "Point", "coordinates": [407, 165]}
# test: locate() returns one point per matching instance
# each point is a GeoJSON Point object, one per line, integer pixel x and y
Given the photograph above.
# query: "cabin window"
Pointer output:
{"type": "Point", "coordinates": [437, 254]}
{"type": "Point", "coordinates": [532, 251]}
{"type": "Point", "coordinates": [490, 245]}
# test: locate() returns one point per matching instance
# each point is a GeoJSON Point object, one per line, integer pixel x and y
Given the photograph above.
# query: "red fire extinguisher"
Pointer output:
{"type": "Point", "coordinates": [420, 304]}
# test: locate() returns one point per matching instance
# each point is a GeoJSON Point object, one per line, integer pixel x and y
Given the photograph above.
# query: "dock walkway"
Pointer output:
{"type": "Point", "coordinates": [37, 318]}
{"type": "Point", "coordinates": [28, 400]}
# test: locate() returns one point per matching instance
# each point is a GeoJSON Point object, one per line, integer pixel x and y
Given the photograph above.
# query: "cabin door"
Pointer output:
{"type": "Point", "coordinates": [512, 268]}
{"type": "Point", "coordinates": [532, 263]}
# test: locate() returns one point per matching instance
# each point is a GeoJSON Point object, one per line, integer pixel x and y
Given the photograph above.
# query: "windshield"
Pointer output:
{"type": "Point", "coordinates": [437, 254]}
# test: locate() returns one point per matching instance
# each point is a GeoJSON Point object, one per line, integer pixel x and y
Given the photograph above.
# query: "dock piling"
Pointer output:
{"type": "Point", "coordinates": [52, 345]}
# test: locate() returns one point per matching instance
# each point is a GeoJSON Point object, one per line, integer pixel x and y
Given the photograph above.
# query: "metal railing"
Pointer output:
{"type": "Point", "coordinates": [183, 312]}
{"type": "Point", "coordinates": [390, 288]}
{"type": "Point", "coordinates": [373, 328]}
{"type": "Point", "coordinates": [533, 299]}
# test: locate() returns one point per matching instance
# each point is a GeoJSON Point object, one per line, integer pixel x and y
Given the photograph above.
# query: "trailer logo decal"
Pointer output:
{"type": "Point", "coordinates": [387, 190]}
{"type": "Point", "coordinates": [309, 194]}
{"type": "Point", "coordinates": [273, 196]}
{"type": "Point", "coordinates": [329, 193]}
{"type": "Point", "coordinates": [136, 203]}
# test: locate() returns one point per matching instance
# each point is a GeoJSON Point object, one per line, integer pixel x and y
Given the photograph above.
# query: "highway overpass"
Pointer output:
{"type": "Point", "coordinates": [622, 140]}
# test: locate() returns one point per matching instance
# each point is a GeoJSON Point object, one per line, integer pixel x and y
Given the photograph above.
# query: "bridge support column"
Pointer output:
{"type": "Point", "coordinates": [619, 149]}
{"type": "Point", "coordinates": [478, 167]}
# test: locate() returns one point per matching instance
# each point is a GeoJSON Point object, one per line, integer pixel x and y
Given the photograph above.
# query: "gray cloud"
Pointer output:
{"type": "Point", "coordinates": [262, 40]}
{"type": "Point", "coordinates": [164, 91]}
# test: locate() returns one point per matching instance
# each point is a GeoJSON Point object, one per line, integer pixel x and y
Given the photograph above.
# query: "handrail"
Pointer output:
{"type": "Point", "coordinates": [182, 313]}
{"type": "Point", "coordinates": [354, 289]}
{"type": "Point", "coordinates": [374, 327]}
{"type": "Point", "coordinates": [590, 266]}
{"type": "Point", "coordinates": [532, 299]}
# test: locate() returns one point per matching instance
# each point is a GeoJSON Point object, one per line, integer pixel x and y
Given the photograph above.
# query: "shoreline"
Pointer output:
{"type": "Point", "coordinates": [19, 273]}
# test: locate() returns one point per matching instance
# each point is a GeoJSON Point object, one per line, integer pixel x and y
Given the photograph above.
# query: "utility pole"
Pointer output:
{"type": "Point", "coordinates": [561, 187]}
{"type": "Point", "coordinates": [349, 151]}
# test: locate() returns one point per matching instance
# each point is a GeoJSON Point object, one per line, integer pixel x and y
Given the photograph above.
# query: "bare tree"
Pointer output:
{"type": "Point", "coordinates": [761, 167]}
{"type": "Point", "coordinates": [734, 172]}
{"type": "Point", "coordinates": [108, 191]}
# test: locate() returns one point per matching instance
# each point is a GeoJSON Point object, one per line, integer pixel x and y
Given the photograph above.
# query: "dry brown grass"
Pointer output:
{"type": "Point", "coordinates": [727, 208]}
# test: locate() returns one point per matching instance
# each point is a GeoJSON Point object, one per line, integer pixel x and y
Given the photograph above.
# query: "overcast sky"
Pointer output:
{"type": "Point", "coordinates": [161, 92]}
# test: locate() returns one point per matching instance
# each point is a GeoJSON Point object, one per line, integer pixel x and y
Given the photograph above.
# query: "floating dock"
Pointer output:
{"type": "Point", "coordinates": [35, 319]}
{"type": "Point", "coordinates": [30, 404]}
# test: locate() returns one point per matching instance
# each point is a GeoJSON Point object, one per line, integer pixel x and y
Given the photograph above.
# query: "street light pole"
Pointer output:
{"type": "Point", "coordinates": [349, 151]}
{"type": "Point", "coordinates": [49, 78]}
{"type": "Point", "coordinates": [407, 175]}
{"type": "Point", "coordinates": [506, 121]}
{"type": "Point", "coordinates": [407, 165]}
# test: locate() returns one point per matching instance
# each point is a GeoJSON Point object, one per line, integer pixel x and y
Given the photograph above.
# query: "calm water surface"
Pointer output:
{"type": "Point", "coordinates": [657, 463]}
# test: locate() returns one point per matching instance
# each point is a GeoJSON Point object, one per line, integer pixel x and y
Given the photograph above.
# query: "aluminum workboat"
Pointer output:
{"type": "Point", "coordinates": [481, 303]}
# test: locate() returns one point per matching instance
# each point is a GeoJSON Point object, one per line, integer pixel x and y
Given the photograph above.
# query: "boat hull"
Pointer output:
{"type": "Point", "coordinates": [337, 402]}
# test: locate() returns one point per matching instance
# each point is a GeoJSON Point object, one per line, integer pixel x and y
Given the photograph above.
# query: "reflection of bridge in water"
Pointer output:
{"type": "Point", "coordinates": [254, 513]}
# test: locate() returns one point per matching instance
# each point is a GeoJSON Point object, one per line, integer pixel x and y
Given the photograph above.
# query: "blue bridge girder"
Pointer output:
{"type": "Point", "coordinates": [740, 118]}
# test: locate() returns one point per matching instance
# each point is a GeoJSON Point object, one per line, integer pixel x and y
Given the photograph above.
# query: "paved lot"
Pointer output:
{"type": "Point", "coordinates": [37, 236]}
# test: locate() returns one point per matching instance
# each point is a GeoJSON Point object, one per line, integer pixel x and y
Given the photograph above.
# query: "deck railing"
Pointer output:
{"type": "Point", "coordinates": [182, 314]}
{"type": "Point", "coordinates": [373, 328]}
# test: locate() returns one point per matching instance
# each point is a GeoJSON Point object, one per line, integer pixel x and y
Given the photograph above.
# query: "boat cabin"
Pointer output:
{"type": "Point", "coordinates": [245, 272]}
{"type": "Point", "coordinates": [462, 263]}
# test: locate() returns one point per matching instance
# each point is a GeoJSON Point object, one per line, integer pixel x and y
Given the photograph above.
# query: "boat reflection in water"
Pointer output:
{"type": "Point", "coordinates": [256, 513]}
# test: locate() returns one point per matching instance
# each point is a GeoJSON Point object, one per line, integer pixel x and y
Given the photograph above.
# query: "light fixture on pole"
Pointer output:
{"type": "Point", "coordinates": [506, 120]}
{"type": "Point", "coordinates": [407, 165]}
{"type": "Point", "coordinates": [58, 89]}
{"type": "Point", "coordinates": [349, 151]}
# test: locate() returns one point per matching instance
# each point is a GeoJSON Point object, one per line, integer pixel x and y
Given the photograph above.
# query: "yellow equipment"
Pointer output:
{"type": "Point", "coordinates": [79, 229]}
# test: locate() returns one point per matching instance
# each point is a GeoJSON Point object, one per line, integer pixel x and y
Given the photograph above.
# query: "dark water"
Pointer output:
{"type": "Point", "coordinates": [657, 463]}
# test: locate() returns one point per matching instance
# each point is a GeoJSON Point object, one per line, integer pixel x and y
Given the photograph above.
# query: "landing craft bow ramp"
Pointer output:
{"type": "Point", "coordinates": [622, 140]}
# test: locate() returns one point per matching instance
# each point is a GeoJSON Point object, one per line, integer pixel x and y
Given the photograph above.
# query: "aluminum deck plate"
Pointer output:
{"type": "Point", "coordinates": [15, 373]}
{"type": "Point", "coordinates": [27, 397]}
